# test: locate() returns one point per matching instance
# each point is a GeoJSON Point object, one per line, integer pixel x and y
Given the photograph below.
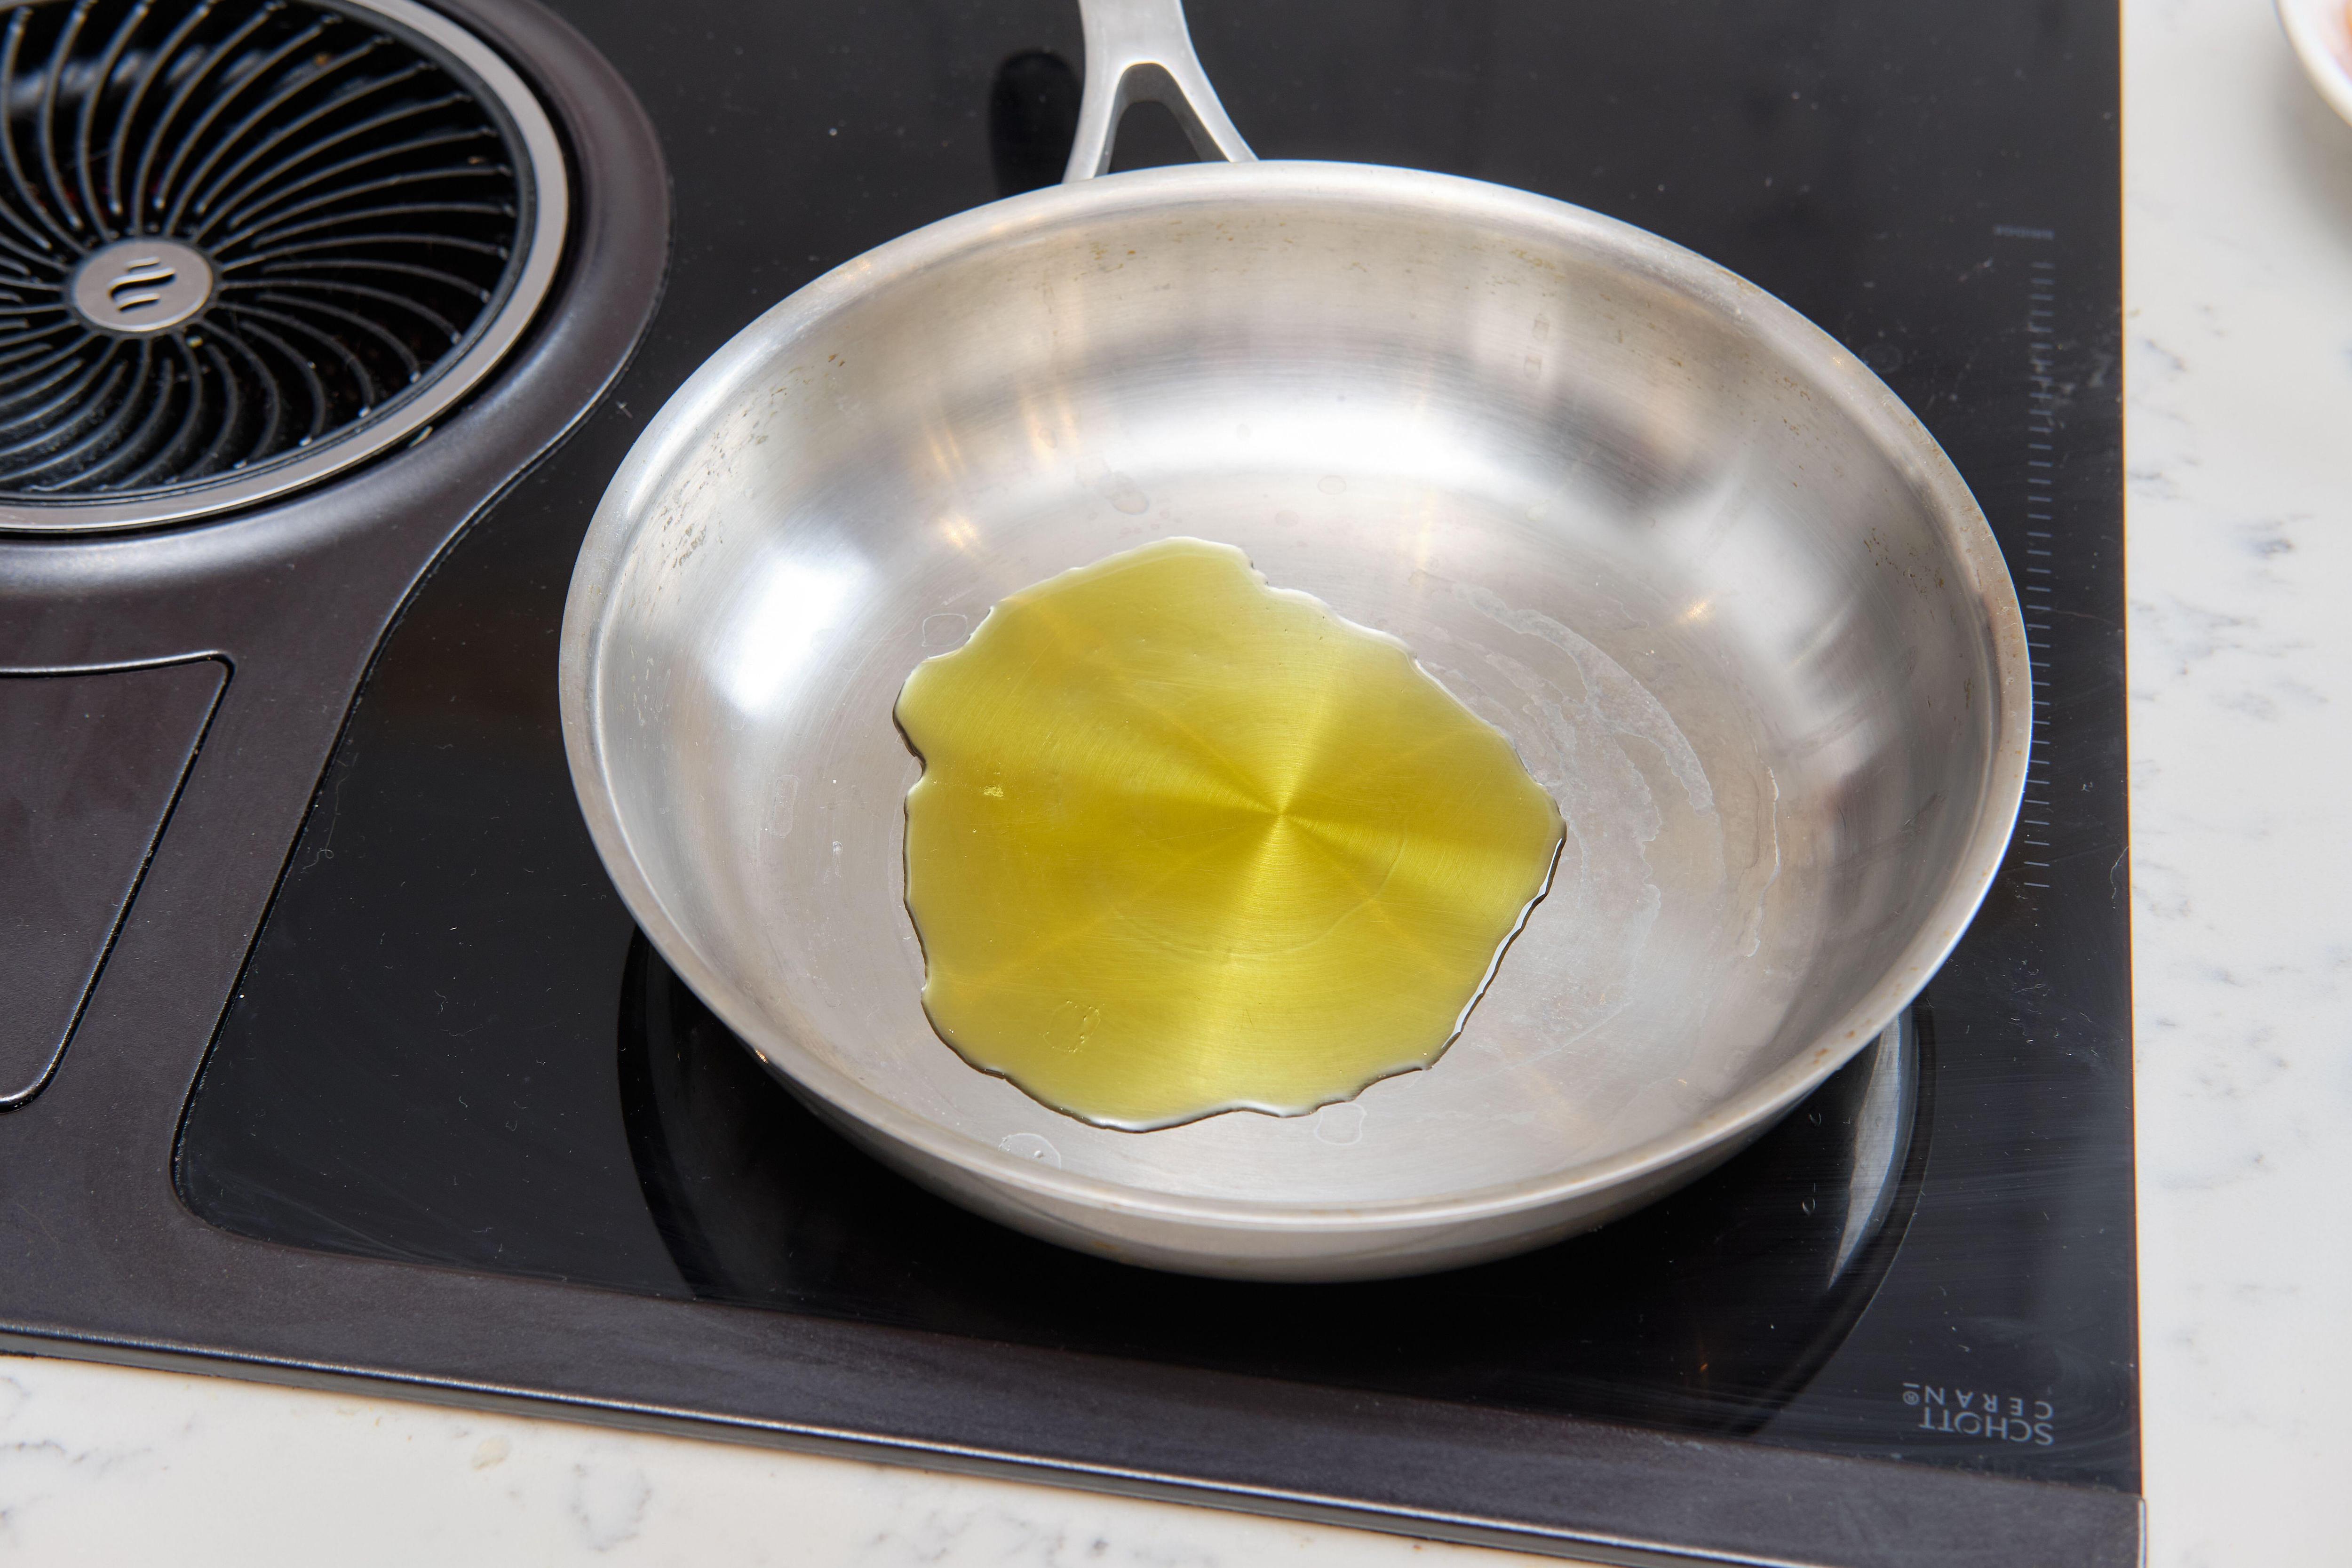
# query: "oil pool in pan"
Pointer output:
{"type": "Point", "coordinates": [1185, 844]}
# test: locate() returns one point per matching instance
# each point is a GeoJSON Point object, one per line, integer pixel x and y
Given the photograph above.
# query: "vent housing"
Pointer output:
{"type": "Point", "coordinates": [247, 243]}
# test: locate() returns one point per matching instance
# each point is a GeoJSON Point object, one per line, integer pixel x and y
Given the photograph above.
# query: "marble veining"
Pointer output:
{"type": "Point", "coordinates": [2238, 244]}
{"type": "Point", "coordinates": [107, 1465]}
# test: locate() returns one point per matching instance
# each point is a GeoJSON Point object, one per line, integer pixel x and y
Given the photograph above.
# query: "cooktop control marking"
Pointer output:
{"type": "Point", "coordinates": [2041, 466]}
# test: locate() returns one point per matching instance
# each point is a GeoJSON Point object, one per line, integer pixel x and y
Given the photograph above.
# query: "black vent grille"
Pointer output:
{"type": "Point", "coordinates": [355, 195]}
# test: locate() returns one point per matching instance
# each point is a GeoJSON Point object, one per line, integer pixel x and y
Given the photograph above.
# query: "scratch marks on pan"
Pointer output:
{"type": "Point", "coordinates": [1751, 934]}
{"type": "Point", "coordinates": [1576, 711]}
{"type": "Point", "coordinates": [1618, 701]}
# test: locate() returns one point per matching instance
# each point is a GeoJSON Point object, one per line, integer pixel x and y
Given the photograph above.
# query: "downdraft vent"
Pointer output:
{"type": "Point", "coordinates": [245, 245]}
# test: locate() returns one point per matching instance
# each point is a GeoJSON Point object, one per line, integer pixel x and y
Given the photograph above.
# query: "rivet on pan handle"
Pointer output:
{"type": "Point", "coordinates": [1140, 50]}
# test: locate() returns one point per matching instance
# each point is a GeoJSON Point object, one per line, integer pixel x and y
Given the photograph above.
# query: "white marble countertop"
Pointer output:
{"type": "Point", "coordinates": [2239, 376]}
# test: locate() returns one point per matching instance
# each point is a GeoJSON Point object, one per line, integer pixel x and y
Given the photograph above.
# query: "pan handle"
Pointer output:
{"type": "Point", "coordinates": [1138, 49]}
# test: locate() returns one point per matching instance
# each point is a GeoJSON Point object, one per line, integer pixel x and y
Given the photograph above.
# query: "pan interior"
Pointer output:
{"type": "Point", "coordinates": [1715, 604]}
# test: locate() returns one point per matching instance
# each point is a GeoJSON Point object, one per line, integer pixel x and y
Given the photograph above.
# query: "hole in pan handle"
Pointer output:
{"type": "Point", "coordinates": [1138, 50]}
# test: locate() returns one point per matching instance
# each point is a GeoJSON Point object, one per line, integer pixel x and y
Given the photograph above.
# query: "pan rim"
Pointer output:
{"type": "Point", "coordinates": [1858, 394]}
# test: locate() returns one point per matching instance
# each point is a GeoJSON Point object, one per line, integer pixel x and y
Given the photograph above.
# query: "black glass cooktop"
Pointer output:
{"type": "Point", "coordinates": [450, 1046]}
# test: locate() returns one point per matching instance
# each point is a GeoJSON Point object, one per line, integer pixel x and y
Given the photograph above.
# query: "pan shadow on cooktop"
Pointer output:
{"type": "Point", "coordinates": [1705, 1313]}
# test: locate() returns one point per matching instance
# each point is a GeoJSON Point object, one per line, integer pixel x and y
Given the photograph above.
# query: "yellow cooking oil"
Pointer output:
{"type": "Point", "coordinates": [1185, 843]}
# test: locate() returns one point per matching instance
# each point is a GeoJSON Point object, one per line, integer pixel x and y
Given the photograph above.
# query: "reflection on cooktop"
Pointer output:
{"type": "Point", "coordinates": [1702, 1313]}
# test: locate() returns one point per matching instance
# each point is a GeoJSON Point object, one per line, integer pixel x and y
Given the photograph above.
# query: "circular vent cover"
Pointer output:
{"type": "Point", "coordinates": [247, 243]}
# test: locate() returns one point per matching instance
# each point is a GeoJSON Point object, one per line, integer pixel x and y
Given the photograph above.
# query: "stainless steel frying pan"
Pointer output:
{"type": "Point", "coordinates": [1728, 599]}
